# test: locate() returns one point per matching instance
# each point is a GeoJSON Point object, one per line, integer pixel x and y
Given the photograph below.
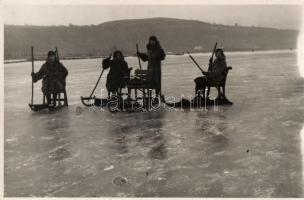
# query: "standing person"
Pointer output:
{"type": "Point", "coordinates": [155, 54]}
{"type": "Point", "coordinates": [119, 72]}
{"type": "Point", "coordinates": [215, 74]}
{"type": "Point", "coordinates": [53, 75]}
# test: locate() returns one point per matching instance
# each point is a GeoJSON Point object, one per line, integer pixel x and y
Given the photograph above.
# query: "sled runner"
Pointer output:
{"type": "Point", "coordinates": [90, 100]}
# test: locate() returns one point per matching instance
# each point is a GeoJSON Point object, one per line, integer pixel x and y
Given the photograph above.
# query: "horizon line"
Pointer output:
{"type": "Point", "coordinates": [128, 19]}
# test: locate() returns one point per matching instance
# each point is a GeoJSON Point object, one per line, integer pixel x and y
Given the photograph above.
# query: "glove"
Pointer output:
{"type": "Point", "coordinates": [104, 64]}
{"type": "Point", "coordinates": [33, 77]}
{"type": "Point", "coordinates": [210, 60]}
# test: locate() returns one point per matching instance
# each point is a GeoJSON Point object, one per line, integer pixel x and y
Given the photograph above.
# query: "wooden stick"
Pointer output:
{"type": "Point", "coordinates": [196, 63]}
{"type": "Point", "coordinates": [56, 54]}
{"type": "Point", "coordinates": [32, 53]}
{"type": "Point", "coordinates": [138, 57]}
{"type": "Point", "coordinates": [214, 50]}
{"type": "Point", "coordinates": [96, 83]}
{"type": "Point", "coordinates": [211, 58]}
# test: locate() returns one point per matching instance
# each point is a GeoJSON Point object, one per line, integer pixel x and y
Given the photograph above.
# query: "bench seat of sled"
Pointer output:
{"type": "Point", "coordinates": [144, 88]}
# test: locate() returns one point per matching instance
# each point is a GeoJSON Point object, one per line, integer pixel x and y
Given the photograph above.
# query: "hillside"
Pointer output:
{"type": "Point", "coordinates": [175, 35]}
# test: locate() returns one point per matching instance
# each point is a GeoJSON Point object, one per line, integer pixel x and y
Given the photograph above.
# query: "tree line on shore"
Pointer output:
{"type": "Point", "coordinates": [177, 37]}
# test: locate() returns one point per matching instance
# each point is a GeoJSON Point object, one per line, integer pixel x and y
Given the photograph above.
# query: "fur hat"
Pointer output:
{"type": "Point", "coordinates": [116, 53]}
{"type": "Point", "coordinates": [51, 53]}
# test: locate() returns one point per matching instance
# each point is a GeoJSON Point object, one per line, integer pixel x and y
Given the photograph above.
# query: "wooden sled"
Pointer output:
{"type": "Point", "coordinates": [93, 101]}
{"type": "Point", "coordinates": [56, 100]}
{"type": "Point", "coordinates": [60, 102]}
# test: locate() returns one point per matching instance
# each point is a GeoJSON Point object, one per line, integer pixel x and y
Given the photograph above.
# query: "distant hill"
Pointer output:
{"type": "Point", "coordinates": [175, 35]}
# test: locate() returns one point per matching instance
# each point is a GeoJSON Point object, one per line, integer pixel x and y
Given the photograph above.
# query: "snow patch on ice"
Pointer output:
{"type": "Point", "coordinates": [108, 168]}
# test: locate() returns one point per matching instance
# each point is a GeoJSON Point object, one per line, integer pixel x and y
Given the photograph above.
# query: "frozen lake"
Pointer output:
{"type": "Point", "coordinates": [250, 149]}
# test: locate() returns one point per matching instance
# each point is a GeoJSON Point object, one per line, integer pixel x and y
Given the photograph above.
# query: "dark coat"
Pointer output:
{"type": "Point", "coordinates": [118, 74]}
{"type": "Point", "coordinates": [53, 77]}
{"type": "Point", "coordinates": [154, 56]}
{"type": "Point", "coordinates": [216, 74]}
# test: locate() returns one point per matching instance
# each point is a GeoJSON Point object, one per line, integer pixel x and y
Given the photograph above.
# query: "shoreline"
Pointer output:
{"type": "Point", "coordinates": [13, 61]}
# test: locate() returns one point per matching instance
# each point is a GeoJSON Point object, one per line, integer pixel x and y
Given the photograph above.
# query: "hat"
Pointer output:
{"type": "Point", "coordinates": [117, 52]}
{"type": "Point", "coordinates": [51, 53]}
{"type": "Point", "coordinates": [153, 38]}
{"type": "Point", "coordinates": [219, 50]}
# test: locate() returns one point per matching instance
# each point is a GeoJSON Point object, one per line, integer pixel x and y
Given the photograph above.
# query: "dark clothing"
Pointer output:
{"type": "Point", "coordinates": [214, 76]}
{"type": "Point", "coordinates": [118, 75]}
{"type": "Point", "coordinates": [53, 77]}
{"type": "Point", "coordinates": [154, 56]}
{"type": "Point", "coordinates": [200, 84]}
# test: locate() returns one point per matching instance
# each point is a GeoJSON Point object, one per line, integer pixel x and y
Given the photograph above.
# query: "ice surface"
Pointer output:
{"type": "Point", "coordinates": [250, 149]}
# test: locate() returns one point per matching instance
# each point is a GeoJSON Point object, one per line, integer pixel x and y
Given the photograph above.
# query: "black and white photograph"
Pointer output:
{"type": "Point", "coordinates": [154, 99]}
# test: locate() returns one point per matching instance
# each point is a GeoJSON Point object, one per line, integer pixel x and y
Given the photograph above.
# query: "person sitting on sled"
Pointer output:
{"type": "Point", "coordinates": [53, 75]}
{"type": "Point", "coordinates": [155, 54]}
{"type": "Point", "coordinates": [119, 73]}
{"type": "Point", "coordinates": [215, 73]}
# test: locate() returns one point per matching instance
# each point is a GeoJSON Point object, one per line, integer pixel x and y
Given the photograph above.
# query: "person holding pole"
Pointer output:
{"type": "Point", "coordinates": [53, 75]}
{"type": "Point", "coordinates": [214, 75]}
{"type": "Point", "coordinates": [119, 73]}
{"type": "Point", "coordinates": [155, 54]}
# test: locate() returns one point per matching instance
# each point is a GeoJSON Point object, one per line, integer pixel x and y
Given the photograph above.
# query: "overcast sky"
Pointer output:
{"type": "Point", "coordinates": [277, 16]}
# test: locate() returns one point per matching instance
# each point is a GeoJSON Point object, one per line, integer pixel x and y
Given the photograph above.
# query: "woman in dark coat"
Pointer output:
{"type": "Point", "coordinates": [155, 54]}
{"type": "Point", "coordinates": [119, 72]}
{"type": "Point", "coordinates": [53, 75]}
{"type": "Point", "coordinates": [214, 76]}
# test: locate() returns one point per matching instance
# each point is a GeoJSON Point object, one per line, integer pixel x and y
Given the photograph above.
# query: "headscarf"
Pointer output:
{"type": "Point", "coordinates": [222, 52]}
{"type": "Point", "coordinates": [157, 45]}
{"type": "Point", "coordinates": [116, 53]}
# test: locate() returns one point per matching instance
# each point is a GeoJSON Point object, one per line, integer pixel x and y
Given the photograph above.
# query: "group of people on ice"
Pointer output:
{"type": "Point", "coordinates": [54, 74]}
